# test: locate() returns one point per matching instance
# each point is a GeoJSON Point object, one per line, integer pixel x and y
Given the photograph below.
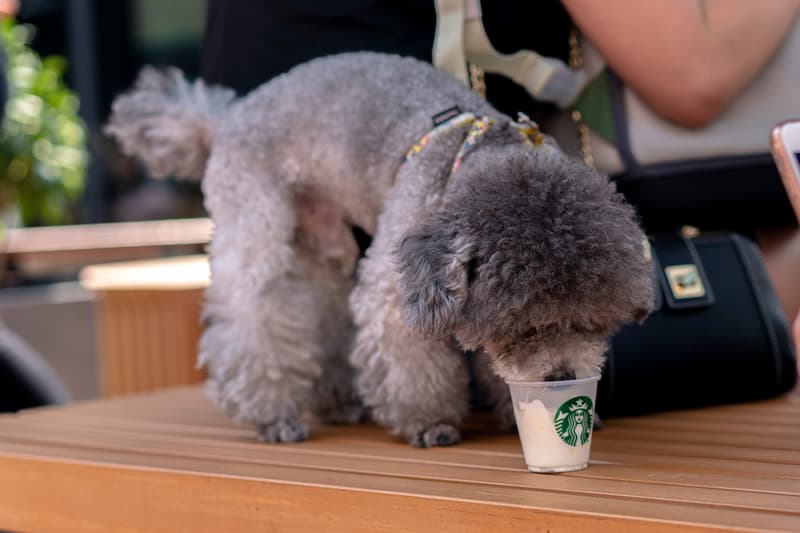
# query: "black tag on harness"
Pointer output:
{"type": "Point", "coordinates": [444, 116]}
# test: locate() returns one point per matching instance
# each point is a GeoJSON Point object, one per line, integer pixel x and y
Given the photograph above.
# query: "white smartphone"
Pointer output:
{"type": "Point", "coordinates": [786, 152]}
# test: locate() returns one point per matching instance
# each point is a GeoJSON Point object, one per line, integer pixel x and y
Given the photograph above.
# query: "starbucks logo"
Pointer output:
{"type": "Point", "coordinates": [573, 420]}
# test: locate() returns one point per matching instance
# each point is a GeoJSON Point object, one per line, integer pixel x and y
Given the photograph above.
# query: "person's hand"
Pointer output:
{"type": "Point", "coordinates": [781, 250]}
{"type": "Point", "coordinates": [796, 333]}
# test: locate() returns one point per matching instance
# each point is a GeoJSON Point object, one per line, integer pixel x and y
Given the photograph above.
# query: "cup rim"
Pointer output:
{"type": "Point", "coordinates": [579, 381]}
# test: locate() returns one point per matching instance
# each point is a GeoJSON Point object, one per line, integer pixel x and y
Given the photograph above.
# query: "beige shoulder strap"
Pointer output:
{"type": "Point", "coordinates": [448, 42]}
{"type": "Point", "coordinates": [461, 38]}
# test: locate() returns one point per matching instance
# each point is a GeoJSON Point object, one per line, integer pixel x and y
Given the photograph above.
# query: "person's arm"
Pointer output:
{"type": "Point", "coordinates": [687, 59]}
{"type": "Point", "coordinates": [8, 8]}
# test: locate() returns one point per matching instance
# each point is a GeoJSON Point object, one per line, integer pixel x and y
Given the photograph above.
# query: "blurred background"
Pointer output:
{"type": "Point", "coordinates": [104, 45]}
{"type": "Point", "coordinates": [68, 198]}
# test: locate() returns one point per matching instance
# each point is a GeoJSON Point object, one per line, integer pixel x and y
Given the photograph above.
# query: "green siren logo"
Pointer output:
{"type": "Point", "coordinates": [573, 420]}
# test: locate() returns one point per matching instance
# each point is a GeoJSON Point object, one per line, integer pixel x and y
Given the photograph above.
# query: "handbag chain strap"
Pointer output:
{"type": "Point", "coordinates": [477, 80]}
{"type": "Point", "coordinates": [581, 128]}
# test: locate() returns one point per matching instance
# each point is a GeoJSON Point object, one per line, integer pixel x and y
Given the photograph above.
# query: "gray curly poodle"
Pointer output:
{"type": "Point", "coordinates": [484, 239]}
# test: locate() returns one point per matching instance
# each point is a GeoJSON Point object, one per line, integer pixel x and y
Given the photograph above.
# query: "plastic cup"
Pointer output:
{"type": "Point", "coordinates": [554, 421]}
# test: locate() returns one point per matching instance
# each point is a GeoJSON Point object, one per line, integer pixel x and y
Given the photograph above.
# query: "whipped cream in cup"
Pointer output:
{"type": "Point", "coordinates": [554, 422]}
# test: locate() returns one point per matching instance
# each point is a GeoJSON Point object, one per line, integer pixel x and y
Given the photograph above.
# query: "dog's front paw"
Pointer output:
{"type": "Point", "coordinates": [287, 430]}
{"type": "Point", "coordinates": [438, 435]}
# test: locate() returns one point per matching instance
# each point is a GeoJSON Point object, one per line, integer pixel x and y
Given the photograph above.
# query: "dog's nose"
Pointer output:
{"type": "Point", "coordinates": [560, 374]}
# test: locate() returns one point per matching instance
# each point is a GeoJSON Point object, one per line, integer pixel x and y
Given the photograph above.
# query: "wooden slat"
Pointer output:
{"type": "Point", "coordinates": [65, 249]}
{"type": "Point", "coordinates": [84, 237]}
{"type": "Point", "coordinates": [166, 273]}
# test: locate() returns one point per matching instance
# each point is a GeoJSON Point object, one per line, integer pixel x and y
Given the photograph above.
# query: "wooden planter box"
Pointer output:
{"type": "Point", "coordinates": [148, 322]}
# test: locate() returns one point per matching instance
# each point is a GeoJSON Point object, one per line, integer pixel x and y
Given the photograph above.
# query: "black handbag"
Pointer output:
{"type": "Point", "coordinates": [718, 333]}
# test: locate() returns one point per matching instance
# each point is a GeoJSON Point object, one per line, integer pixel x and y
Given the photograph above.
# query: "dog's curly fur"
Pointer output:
{"type": "Point", "coordinates": [524, 254]}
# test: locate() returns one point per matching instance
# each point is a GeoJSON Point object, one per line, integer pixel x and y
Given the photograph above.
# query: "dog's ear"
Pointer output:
{"type": "Point", "coordinates": [433, 263]}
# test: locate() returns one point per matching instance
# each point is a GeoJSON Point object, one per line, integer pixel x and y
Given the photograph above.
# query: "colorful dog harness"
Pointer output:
{"type": "Point", "coordinates": [528, 129]}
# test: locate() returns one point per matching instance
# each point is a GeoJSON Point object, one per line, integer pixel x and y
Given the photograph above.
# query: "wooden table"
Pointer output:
{"type": "Point", "coordinates": [169, 461]}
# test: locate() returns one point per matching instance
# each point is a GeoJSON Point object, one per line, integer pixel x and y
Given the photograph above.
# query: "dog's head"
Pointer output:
{"type": "Point", "coordinates": [532, 256]}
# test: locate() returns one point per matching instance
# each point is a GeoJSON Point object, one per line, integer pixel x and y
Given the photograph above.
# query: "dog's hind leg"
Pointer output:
{"type": "Point", "coordinates": [416, 386]}
{"type": "Point", "coordinates": [327, 252]}
{"type": "Point", "coordinates": [264, 341]}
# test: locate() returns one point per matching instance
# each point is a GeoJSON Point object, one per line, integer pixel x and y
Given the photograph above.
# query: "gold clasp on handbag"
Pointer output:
{"type": "Point", "coordinates": [685, 281]}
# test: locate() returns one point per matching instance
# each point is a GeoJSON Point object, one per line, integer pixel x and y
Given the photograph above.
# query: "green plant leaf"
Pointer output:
{"type": "Point", "coordinates": [43, 154]}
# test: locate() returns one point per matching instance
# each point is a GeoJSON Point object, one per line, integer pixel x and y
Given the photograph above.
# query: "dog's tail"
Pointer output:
{"type": "Point", "coordinates": [168, 122]}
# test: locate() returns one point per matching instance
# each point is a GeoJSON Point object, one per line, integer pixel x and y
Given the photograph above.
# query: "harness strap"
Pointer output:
{"type": "Point", "coordinates": [478, 126]}
{"type": "Point", "coordinates": [448, 41]}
